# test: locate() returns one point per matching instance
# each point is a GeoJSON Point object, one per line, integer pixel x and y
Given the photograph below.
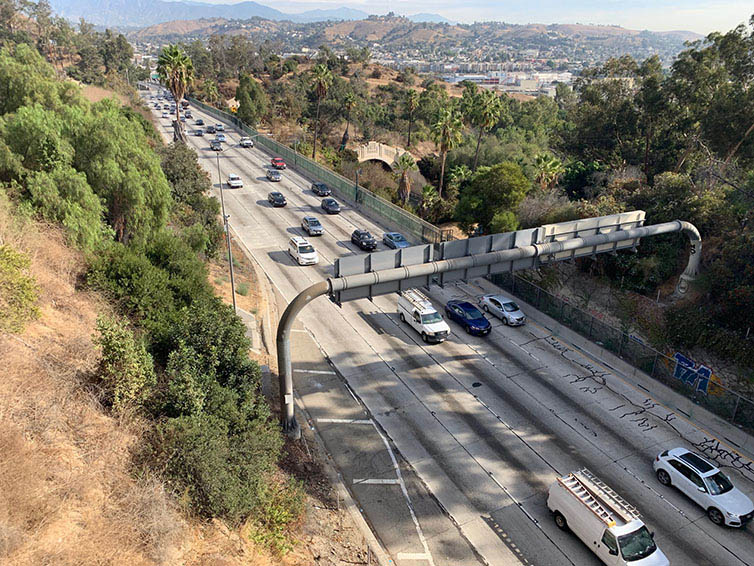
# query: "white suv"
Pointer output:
{"type": "Point", "coordinates": [706, 485]}
{"type": "Point", "coordinates": [234, 181]}
{"type": "Point", "coordinates": [302, 251]}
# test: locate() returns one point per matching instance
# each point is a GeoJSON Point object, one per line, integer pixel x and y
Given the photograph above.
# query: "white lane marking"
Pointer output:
{"type": "Point", "coordinates": [319, 371]}
{"type": "Point", "coordinates": [412, 556]}
{"type": "Point", "coordinates": [346, 421]}
{"type": "Point", "coordinates": [299, 330]}
{"type": "Point", "coordinates": [408, 499]}
{"type": "Point", "coordinates": [376, 481]}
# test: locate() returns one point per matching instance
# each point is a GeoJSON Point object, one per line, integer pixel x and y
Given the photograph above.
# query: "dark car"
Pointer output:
{"type": "Point", "coordinates": [330, 206]}
{"type": "Point", "coordinates": [278, 163]}
{"type": "Point", "coordinates": [211, 129]}
{"type": "Point", "coordinates": [199, 132]}
{"type": "Point", "coordinates": [276, 199]}
{"type": "Point", "coordinates": [215, 145]}
{"type": "Point", "coordinates": [274, 175]}
{"type": "Point", "coordinates": [320, 189]}
{"type": "Point", "coordinates": [468, 316]}
{"type": "Point", "coordinates": [395, 240]}
{"type": "Point", "coordinates": [199, 122]}
{"type": "Point", "coordinates": [364, 240]}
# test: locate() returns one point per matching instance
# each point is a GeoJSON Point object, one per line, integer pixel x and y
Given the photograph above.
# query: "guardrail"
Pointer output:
{"type": "Point", "coordinates": [363, 199]}
{"type": "Point", "coordinates": [678, 373]}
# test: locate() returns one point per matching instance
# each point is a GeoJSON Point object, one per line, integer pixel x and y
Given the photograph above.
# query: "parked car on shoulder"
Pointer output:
{"type": "Point", "coordinates": [503, 308]}
{"type": "Point", "coordinates": [278, 163]}
{"type": "Point", "coordinates": [321, 190]}
{"type": "Point", "coordinates": [330, 206]}
{"type": "Point", "coordinates": [234, 181]}
{"type": "Point", "coordinates": [246, 142]}
{"type": "Point", "coordinates": [215, 145]}
{"type": "Point", "coordinates": [468, 316]}
{"type": "Point", "coordinates": [312, 226]}
{"type": "Point", "coordinates": [276, 199]}
{"type": "Point", "coordinates": [364, 240]}
{"type": "Point", "coordinates": [703, 482]}
{"type": "Point", "coordinates": [274, 175]}
{"type": "Point", "coordinates": [395, 240]}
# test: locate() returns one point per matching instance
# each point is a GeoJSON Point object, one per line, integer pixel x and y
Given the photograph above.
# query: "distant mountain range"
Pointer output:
{"type": "Point", "coordinates": [143, 13]}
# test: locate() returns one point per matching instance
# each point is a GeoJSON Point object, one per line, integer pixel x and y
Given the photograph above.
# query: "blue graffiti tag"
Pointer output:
{"type": "Point", "coordinates": [688, 373]}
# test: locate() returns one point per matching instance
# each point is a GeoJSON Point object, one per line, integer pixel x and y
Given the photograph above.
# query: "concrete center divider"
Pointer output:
{"type": "Point", "coordinates": [364, 200]}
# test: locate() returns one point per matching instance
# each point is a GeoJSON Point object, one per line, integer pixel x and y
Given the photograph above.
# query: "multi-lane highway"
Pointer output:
{"type": "Point", "coordinates": [487, 423]}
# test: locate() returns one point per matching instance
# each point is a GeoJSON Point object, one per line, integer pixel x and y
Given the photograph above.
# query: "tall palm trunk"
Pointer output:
{"type": "Point", "coordinates": [476, 152]}
{"type": "Point", "coordinates": [344, 139]}
{"type": "Point", "coordinates": [410, 123]}
{"type": "Point", "coordinates": [316, 128]}
{"type": "Point", "coordinates": [442, 172]}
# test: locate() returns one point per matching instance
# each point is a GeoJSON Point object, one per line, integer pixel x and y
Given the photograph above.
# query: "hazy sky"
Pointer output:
{"type": "Point", "coordinates": [695, 15]}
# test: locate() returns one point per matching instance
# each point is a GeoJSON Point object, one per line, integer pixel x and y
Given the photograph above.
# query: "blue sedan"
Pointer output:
{"type": "Point", "coordinates": [468, 316]}
{"type": "Point", "coordinates": [395, 240]}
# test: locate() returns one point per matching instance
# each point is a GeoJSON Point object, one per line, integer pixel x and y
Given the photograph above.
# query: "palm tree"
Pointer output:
{"type": "Point", "coordinates": [348, 102]}
{"type": "Point", "coordinates": [429, 198]}
{"type": "Point", "coordinates": [412, 103]}
{"type": "Point", "coordinates": [549, 169]}
{"type": "Point", "coordinates": [209, 88]}
{"type": "Point", "coordinates": [486, 112]}
{"type": "Point", "coordinates": [321, 81]}
{"type": "Point", "coordinates": [446, 133]}
{"type": "Point", "coordinates": [176, 71]}
{"type": "Point", "coordinates": [402, 165]}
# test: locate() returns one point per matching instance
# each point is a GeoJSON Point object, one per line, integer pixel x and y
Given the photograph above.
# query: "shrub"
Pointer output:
{"type": "Point", "coordinates": [243, 288]}
{"type": "Point", "coordinates": [126, 369]}
{"type": "Point", "coordinates": [18, 292]}
{"type": "Point", "coordinates": [280, 506]}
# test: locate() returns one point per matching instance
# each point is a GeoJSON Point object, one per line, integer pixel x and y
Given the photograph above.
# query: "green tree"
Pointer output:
{"type": "Point", "coordinates": [348, 103]}
{"type": "Point", "coordinates": [548, 170]}
{"type": "Point", "coordinates": [447, 134]}
{"type": "Point", "coordinates": [491, 197]}
{"type": "Point", "coordinates": [176, 71]}
{"type": "Point", "coordinates": [412, 103]}
{"type": "Point", "coordinates": [322, 79]}
{"type": "Point", "coordinates": [402, 166]}
{"type": "Point", "coordinates": [252, 99]}
{"type": "Point", "coordinates": [485, 113]}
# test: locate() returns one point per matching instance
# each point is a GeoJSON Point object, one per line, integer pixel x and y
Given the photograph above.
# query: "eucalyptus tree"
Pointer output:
{"type": "Point", "coordinates": [447, 134]}
{"type": "Point", "coordinates": [322, 79]}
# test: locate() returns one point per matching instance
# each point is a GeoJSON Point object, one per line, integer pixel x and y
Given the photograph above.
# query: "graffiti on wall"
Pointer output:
{"type": "Point", "coordinates": [693, 375]}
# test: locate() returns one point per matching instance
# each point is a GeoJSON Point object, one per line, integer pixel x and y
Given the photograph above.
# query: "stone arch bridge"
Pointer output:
{"type": "Point", "coordinates": [376, 151]}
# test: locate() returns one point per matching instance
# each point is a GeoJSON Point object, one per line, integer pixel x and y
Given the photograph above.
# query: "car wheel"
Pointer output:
{"type": "Point", "coordinates": [715, 516]}
{"type": "Point", "coordinates": [560, 521]}
{"type": "Point", "coordinates": [663, 477]}
{"type": "Point", "coordinates": [505, 320]}
{"type": "Point", "coordinates": [486, 308]}
{"type": "Point", "coordinates": [468, 330]}
{"type": "Point", "coordinates": [424, 337]}
{"type": "Point", "coordinates": [403, 318]}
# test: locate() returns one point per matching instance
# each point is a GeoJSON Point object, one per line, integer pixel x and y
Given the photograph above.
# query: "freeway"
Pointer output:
{"type": "Point", "coordinates": [486, 423]}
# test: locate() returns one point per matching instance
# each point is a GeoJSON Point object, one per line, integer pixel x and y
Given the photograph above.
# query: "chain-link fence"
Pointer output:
{"type": "Point", "coordinates": [677, 372]}
{"type": "Point", "coordinates": [366, 201]}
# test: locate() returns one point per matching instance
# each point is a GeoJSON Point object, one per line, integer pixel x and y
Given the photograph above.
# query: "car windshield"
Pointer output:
{"type": "Point", "coordinates": [472, 312]}
{"type": "Point", "coordinates": [510, 307]}
{"type": "Point", "coordinates": [307, 249]}
{"type": "Point", "coordinates": [431, 318]}
{"type": "Point", "coordinates": [366, 236]}
{"type": "Point", "coordinates": [397, 238]}
{"type": "Point", "coordinates": [719, 484]}
{"type": "Point", "coordinates": [637, 545]}
{"type": "Point", "coordinates": [314, 222]}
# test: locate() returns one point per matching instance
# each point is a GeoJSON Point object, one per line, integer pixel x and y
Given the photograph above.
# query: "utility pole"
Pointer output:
{"type": "Point", "coordinates": [227, 235]}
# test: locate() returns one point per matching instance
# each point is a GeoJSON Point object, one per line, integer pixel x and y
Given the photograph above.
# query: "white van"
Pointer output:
{"type": "Point", "coordinates": [603, 520]}
{"type": "Point", "coordinates": [417, 310]}
{"type": "Point", "coordinates": [302, 251]}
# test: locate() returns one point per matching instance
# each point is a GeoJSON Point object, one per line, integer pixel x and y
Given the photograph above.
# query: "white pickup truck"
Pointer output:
{"type": "Point", "coordinates": [603, 520]}
{"type": "Point", "coordinates": [417, 310]}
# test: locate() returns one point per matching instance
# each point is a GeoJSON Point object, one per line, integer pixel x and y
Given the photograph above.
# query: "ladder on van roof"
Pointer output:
{"type": "Point", "coordinates": [417, 299]}
{"type": "Point", "coordinates": [598, 497]}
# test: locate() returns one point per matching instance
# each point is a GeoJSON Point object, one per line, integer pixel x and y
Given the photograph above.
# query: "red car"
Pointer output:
{"type": "Point", "coordinates": [277, 162]}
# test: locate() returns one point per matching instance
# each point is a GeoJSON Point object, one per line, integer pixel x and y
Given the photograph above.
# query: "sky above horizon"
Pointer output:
{"type": "Point", "coordinates": [657, 15]}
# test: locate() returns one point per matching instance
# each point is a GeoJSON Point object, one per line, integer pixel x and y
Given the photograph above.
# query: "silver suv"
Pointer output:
{"type": "Point", "coordinates": [705, 485]}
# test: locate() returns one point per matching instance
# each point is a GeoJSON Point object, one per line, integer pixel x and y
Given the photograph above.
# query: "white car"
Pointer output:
{"type": "Point", "coordinates": [165, 115]}
{"type": "Point", "coordinates": [246, 142]}
{"type": "Point", "coordinates": [503, 308]}
{"type": "Point", "coordinates": [302, 251]}
{"type": "Point", "coordinates": [220, 127]}
{"type": "Point", "coordinates": [703, 482]}
{"type": "Point", "coordinates": [234, 181]}
{"type": "Point", "coordinates": [221, 138]}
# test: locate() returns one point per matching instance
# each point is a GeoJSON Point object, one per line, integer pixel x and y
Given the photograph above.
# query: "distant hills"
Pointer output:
{"type": "Point", "coordinates": [143, 13]}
